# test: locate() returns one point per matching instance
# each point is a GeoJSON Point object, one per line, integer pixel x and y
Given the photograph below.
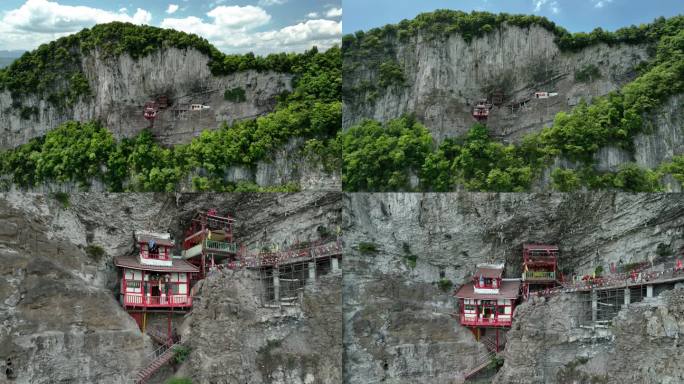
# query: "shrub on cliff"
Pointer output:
{"type": "Point", "coordinates": [236, 95]}
{"type": "Point", "coordinates": [477, 162]}
{"type": "Point", "coordinates": [179, 380]}
{"type": "Point", "coordinates": [381, 158]}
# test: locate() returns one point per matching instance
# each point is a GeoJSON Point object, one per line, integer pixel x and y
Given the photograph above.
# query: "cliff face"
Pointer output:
{"type": "Point", "coordinates": [667, 138]}
{"type": "Point", "coordinates": [61, 318]}
{"type": "Point", "coordinates": [660, 144]}
{"type": "Point", "coordinates": [120, 86]}
{"type": "Point", "coordinates": [446, 76]}
{"type": "Point", "coordinates": [235, 340]}
{"type": "Point", "coordinates": [61, 323]}
{"type": "Point", "coordinates": [641, 346]}
{"type": "Point", "coordinates": [392, 300]}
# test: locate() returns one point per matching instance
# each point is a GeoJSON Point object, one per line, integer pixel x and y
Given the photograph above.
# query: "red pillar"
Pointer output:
{"type": "Point", "coordinates": [143, 287]}
{"type": "Point", "coordinates": [202, 262]}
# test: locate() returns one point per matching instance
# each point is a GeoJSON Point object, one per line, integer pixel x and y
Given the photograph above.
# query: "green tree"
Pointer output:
{"type": "Point", "coordinates": [377, 158]}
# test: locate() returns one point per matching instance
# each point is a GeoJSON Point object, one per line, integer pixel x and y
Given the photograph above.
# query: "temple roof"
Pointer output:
{"type": "Point", "coordinates": [509, 289]}
{"type": "Point", "coordinates": [178, 265]}
{"type": "Point", "coordinates": [537, 247]}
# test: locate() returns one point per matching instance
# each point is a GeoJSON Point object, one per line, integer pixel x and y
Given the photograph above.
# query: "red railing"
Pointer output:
{"type": "Point", "coordinates": [157, 301]}
{"type": "Point", "coordinates": [156, 255]}
{"type": "Point", "coordinates": [485, 322]}
{"type": "Point", "coordinates": [315, 250]}
{"type": "Point", "coordinates": [637, 276]}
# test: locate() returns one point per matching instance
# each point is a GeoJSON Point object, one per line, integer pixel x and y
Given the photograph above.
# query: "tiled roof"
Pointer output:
{"type": "Point", "coordinates": [178, 265]}
{"type": "Point", "coordinates": [535, 247]}
{"type": "Point", "coordinates": [509, 290]}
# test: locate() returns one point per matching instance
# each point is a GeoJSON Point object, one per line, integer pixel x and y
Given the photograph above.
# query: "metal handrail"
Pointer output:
{"type": "Point", "coordinates": [617, 280]}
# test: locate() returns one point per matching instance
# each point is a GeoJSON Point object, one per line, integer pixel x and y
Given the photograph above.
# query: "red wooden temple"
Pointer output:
{"type": "Point", "coordinates": [154, 279]}
{"type": "Point", "coordinates": [209, 242]}
{"type": "Point", "coordinates": [488, 301]}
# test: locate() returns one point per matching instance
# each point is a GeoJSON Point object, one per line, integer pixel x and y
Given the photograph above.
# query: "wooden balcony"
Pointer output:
{"type": "Point", "coordinates": [175, 301]}
{"type": "Point", "coordinates": [211, 246]}
{"type": "Point", "coordinates": [220, 246]}
{"type": "Point", "coordinates": [478, 321]}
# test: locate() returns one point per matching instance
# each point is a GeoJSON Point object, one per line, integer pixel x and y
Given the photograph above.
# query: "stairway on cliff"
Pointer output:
{"type": "Point", "coordinates": [486, 359]}
{"type": "Point", "coordinates": [157, 360]}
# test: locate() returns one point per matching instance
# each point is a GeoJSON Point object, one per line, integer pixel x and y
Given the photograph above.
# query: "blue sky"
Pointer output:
{"type": "Point", "coordinates": [234, 26]}
{"type": "Point", "coordinates": [574, 15]}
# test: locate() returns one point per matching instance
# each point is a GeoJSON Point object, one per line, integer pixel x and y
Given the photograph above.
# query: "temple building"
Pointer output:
{"type": "Point", "coordinates": [489, 300]}
{"type": "Point", "coordinates": [154, 279]}
{"type": "Point", "coordinates": [540, 268]}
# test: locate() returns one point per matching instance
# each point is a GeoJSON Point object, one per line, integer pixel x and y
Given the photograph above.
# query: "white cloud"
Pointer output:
{"type": "Point", "coordinates": [268, 3]}
{"type": "Point", "coordinates": [538, 4]}
{"type": "Point", "coordinates": [334, 12]}
{"type": "Point", "coordinates": [191, 24]}
{"type": "Point", "coordinates": [45, 16]}
{"type": "Point", "coordinates": [322, 31]}
{"type": "Point", "coordinates": [142, 17]}
{"type": "Point", "coordinates": [234, 29]}
{"type": "Point", "coordinates": [555, 8]}
{"type": "Point", "coordinates": [40, 21]}
{"type": "Point", "coordinates": [228, 23]}
{"type": "Point", "coordinates": [232, 17]}
{"type": "Point", "coordinates": [552, 5]}
{"type": "Point", "coordinates": [601, 3]}
{"type": "Point", "coordinates": [172, 8]}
